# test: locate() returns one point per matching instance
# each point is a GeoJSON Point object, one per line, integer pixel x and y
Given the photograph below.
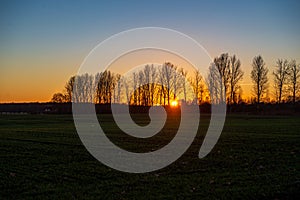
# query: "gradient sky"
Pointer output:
{"type": "Point", "coordinates": [42, 43]}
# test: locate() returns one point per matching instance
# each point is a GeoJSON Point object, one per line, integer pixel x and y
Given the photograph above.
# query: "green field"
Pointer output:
{"type": "Point", "coordinates": [257, 157]}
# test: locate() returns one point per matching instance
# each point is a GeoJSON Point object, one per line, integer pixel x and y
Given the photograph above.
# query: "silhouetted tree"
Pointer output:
{"type": "Point", "coordinates": [141, 91]}
{"type": "Point", "coordinates": [146, 86]}
{"type": "Point", "coordinates": [293, 77]}
{"type": "Point", "coordinates": [235, 75]}
{"type": "Point", "coordinates": [214, 82]}
{"type": "Point", "coordinates": [161, 89]}
{"type": "Point", "coordinates": [125, 84]}
{"type": "Point", "coordinates": [105, 84]}
{"type": "Point", "coordinates": [83, 89]}
{"type": "Point", "coordinates": [280, 78]}
{"type": "Point", "coordinates": [259, 76]}
{"type": "Point", "coordinates": [117, 88]}
{"type": "Point", "coordinates": [177, 81]}
{"type": "Point", "coordinates": [198, 86]}
{"type": "Point", "coordinates": [168, 81]}
{"type": "Point", "coordinates": [99, 89]}
{"type": "Point", "coordinates": [135, 87]}
{"type": "Point", "coordinates": [69, 89]}
{"type": "Point", "coordinates": [58, 98]}
{"type": "Point", "coordinates": [183, 83]}
{"type": "Point", "coordinates": [147, 76]}
{"type": "Point", "coordinates": [153, 86]}
{"type": "Point", "coordinates": [222, 63]}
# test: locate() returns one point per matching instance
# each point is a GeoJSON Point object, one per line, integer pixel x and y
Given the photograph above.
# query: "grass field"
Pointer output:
{"type": "Point", "coordinates": [257, 157]}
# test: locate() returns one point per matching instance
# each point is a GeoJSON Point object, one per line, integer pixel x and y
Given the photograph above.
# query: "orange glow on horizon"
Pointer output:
{"type": "Point", "coordinates": [174, 103]}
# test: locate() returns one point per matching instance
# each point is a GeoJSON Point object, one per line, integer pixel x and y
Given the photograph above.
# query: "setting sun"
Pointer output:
{"type": "Point", "coordinates": [174, 103]}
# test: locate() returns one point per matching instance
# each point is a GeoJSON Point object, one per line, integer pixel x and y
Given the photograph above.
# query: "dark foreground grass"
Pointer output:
{"type": "Point", "coordinates": [255, 158]}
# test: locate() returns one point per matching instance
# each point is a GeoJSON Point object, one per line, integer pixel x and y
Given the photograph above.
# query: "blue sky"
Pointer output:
{"type": "Point", "coordinates": [44, 42]}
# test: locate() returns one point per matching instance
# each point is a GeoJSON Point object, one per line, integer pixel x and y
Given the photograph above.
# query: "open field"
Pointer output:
{"type": "Point", "coordinates": [257, 157]}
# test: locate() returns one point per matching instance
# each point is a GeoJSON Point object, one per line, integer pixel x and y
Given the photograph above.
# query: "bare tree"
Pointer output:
{"type": "Point", "coordinates": [183, 83]}
{"type": "Point", "coordinates": [141, 91]}
{"type": "Point", "coordinates": [125, 84]}
{"type": "Point", "coordinates": [235, 75]}
{"type": "Point", "coordinates": [69, 89]}
{"type": "Point", "coordinates": [293, 78]}
{"type": "Point", "coordinates": [214, 82]}
{"type": "Point", "coordinates": [98, 84]}
{"type": "Point", "coordinates": [198, 86]}
{"type": "Point", "coordinates": [161, 89]}
{"type": "Point", "coordinates": [259, 76]}
{"type": "Point", "coordinates": [83, 89]}
{"type": "Point", "coordinates": [152, 86]}
{"type": "Point", "coordinates": [146, 86]}
{"type": "Point", "coordinates": [105, 84]}
{"type": "Point", "coordinates": [117, 88]}
{"type": "Point", "coordinates": [147, 77]}
{"type": "Point", "coordinates": [110, 85]}
{"type": "Point", "coordinates": [280, 78]}
{"type": "Point", "coordinates": [167, 81]}
{"type": "Point", "coordinates": [222, 63]}
{"type": "Point", "coordinates": [176, 79]}
{"type": "Point", "coordinates": [58, 98]}
{"type": "Point", "coordinates": [135, 87]}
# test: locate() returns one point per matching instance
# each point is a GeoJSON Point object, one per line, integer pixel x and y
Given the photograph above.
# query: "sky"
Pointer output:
{"type": "Point", "coordinates": [43, 43]}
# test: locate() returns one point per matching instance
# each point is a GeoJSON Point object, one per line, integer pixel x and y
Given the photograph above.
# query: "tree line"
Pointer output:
{"type": "Point", "coordinates": [286, 80]}
{"type": "Point", "coordinates": [161, 85]}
